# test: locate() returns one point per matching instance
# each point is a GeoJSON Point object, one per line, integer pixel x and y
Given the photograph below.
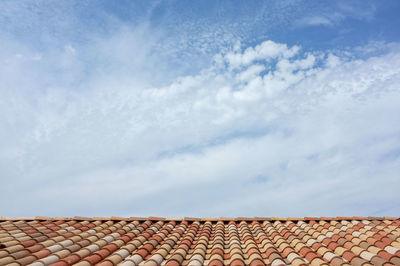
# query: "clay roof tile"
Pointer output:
{"type": "Point", "coordinates": [196, 241]}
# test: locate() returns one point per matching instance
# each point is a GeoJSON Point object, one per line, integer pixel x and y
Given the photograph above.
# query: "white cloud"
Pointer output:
{"type": "Point", "coordinates": [98, 130]}
{"type": "Point", "coordinates": [364, 10]}
{"type": "Point", "coordinates": [264, 51]}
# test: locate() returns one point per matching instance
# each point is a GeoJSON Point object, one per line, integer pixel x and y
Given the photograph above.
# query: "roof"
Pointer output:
{"type": "Point", "coordinates": [190, 241]}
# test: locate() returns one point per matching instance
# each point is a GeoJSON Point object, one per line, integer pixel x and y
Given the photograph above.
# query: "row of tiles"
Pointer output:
{"type": "Point", "coordinates": [172, 243]}
{"type": "Point", "coordinates": [204, 219]}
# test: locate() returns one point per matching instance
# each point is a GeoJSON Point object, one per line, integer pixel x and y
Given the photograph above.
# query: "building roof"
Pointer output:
{"type": "Point", "coordinates": [190, 241]}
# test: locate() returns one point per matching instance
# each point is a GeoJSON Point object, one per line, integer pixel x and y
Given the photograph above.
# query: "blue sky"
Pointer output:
{"type": "Point", "coordinates": [213, 108]}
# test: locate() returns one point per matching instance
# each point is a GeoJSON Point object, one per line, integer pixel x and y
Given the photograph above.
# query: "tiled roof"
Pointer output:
{"type": "Point", "coordinates": [223, 241]}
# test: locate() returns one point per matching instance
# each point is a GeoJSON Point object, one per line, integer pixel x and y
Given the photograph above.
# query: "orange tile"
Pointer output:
{"type": "Point", "coordinates": [93, 259]}
{"type": "Point", "coordinates": [41, 254]}
{"type": "Point", "coordinates": [257, 262]}
{"type": "Point", "coordinates": [72, 259]}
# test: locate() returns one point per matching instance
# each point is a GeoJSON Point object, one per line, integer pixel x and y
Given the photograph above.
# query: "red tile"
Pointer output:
{"type": "Point", "coordinates": [35, 248]}
{"type": "Point", "coordinates": [217, 251]}
{"type": "Point", "coordinates": [386, 241]}
{"type": "Point", "coordinates": [304, 251]}
{"type": "Point", "coordinates": [148, 247]}
{"type": "Point", "coordinates": [41, 254]}
{"type": "Point", "coordinates": [106, 231]}
{"type": "Point", "coordinates": [316, 245]}
{"type": "Point", "coordinates": [72, 259]}
{"type": "Point", "coordinates": [310, 256]}
{"type": "Point", "coordinates": [333, 245]}
{"type": "Point", "coordinates": [268, 252]}
{"type": "Point", "coordinates": [216, 263]}
{"type": "Point", "coordinates": [257, 263]}
{"type": "Point", "coordinates": [125, 238]}
{"type": "Point", "coordinates": [28, 243]}
{"type": "Point", "coordinates": [237, 262]}
{"type": "Point", "coordinates": [172, 263]}
{"type": "Point", "coordinates": [52, 234]}
{"type": "Point", "coordinates": [385, 255]}
{"type": "Point", "coordinates": [287, 251]}
{"type": "Point", "coordinates": [380, 244]}
{"type": "Point", "coordinates": [347, 255]}
{"type": "Point", "coordinates": [111, 247]}
{"type": "Point", "coordinates": [103, 253]}
{"type": "Point", "coordinates": [93, 259]}
{"type": "Point", "coordinates": [68, 235]}
{"type": "Point", "coordinates": [142, 252]}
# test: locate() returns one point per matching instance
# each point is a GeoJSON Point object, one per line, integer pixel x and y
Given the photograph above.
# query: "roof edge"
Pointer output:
{"type": "Point", "coordinates": [211, 219]}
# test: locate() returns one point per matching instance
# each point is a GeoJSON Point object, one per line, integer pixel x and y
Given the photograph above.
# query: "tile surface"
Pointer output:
{"type": "Point", "coordinates": [241, 241]}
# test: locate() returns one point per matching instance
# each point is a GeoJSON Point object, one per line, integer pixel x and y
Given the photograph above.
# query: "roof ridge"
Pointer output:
{"type": "Point", "coordinates": [211, 219]}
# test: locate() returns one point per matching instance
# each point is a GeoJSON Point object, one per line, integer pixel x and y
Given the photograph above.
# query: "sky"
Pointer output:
{"type": "Point", "coordinates": [199, 108]}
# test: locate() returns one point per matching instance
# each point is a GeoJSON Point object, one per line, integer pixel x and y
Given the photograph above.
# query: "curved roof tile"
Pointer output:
{"type": "Point", "coordinates": [199, 241]}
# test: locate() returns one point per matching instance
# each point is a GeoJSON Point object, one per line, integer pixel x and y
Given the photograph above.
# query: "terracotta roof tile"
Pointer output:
{"type": "Point", "coordinates": [199, 241]}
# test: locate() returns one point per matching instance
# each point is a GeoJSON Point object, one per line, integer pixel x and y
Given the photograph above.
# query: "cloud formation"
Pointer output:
{"type": "Point", "coordinates": [262, 131]}
{"type": "Point", "coordinates": [151, 110]}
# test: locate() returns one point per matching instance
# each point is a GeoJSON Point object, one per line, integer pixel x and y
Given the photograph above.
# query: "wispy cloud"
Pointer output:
{"type": "Point", "coordinates": [345, 10]}
{"type": "Point", "coordinates": [316, 21]}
